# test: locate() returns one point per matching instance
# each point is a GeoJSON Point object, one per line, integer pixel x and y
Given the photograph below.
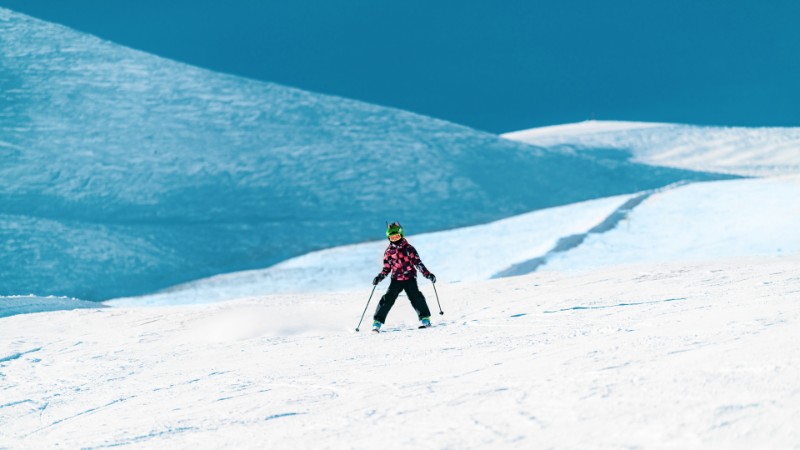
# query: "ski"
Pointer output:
{"type": "Point", "coordinates": [398, 330]}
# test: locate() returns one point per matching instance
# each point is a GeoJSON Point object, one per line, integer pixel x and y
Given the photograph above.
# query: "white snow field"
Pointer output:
{"type": "Point", "coordinates": [683, 355]}
{"type": "Point", "coordinates": [665, 318]}
{"type": "Point", "coordinates": [739, 217]}
{"type": "Point", "coordinates": [733, 150]}
{"type": "Point", "coordinates": [486, 249]}
{"type": "Point", "coordinates": [698, 221]}
{"type": "Point", "coordinates": [748, 217]}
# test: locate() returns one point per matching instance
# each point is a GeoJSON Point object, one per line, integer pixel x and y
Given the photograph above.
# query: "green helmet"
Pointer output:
{"type": "Point", "coordinates": [394, 228]}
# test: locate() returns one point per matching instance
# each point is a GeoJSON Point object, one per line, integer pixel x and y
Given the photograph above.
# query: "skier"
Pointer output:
{"type": "Point", "coordinates": [401, 258]}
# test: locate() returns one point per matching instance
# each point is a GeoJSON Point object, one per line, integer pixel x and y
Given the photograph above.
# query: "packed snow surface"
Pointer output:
{"type": "Point", "coordinates": [750, 217]}
{"type": "Point", "coordinates": [682, 355]}
{"type": "Point", "coordinates": [464, 254]}
{"type": "Point", "coordinates": [698, 221]}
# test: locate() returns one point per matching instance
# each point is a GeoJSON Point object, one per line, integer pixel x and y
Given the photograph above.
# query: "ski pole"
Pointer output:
{"type": "Point", "coordinates": [441, 313]}
{"type": "Point", "coordinates": [365, 308]}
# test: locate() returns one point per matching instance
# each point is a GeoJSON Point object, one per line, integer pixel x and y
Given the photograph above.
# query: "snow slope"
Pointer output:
{"type": "Point", "coordinates": [684, 355]}
{"type": "Point", "coordinates": [734, 150]}
{"type": "Point", "coordinates": [743, 217]}
{"type": "Point", "coordinates": [26, 304]}
{"type": "Point", "coordinates": [123, 173]}
{"type": "Point", "coordinates": [699, 221]}
{"type": "Point", "coordinates": [751, 217]}
{"type": "Point", "coordinates": [488, 248]}
{"type": "Point", "coordinates": [667, 318]}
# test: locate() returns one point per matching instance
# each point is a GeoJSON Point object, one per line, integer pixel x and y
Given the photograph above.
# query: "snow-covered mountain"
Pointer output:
{"type": "Point", "coordinates": [685, 338]}
{"type": "Point", "coordinates": [696, 222]}
{"type": "Point", "coordinates": [488, 249]}
{"type": "Point", "coordinates": [734, 150]}
{"type": "Point", "coordinates": [721, 219]}
{"type": "Point", "coordinates": [123, 173]}
{"type": "Point", "coordinates": [683, 334]}
{"type": "Point", "coordinates": [626, 307]}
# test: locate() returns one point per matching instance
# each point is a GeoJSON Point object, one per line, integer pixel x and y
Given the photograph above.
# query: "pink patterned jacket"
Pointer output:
{"type": "Point", "coordinates": [401, 259]}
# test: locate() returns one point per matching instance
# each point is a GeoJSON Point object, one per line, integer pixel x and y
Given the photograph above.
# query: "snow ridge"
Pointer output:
{"type": "Point", "coordinates": [734, 150]}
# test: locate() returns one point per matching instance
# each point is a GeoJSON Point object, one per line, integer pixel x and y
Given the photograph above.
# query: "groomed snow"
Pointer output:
{"type": "Point", "coordinates": [490, 249]}
{"type": "Point", "coordinates": [698, 221]}
{"type": "Point", "coordinates": [669, 323]}
{"type": "Point", "coordinates": [654, 356]}
{"type": "Point", "coordinates": [748, 217]}
{"type": "Point", "coordinates": [464, 254]}
{"type": "Point", "coordinates": [733, 150]}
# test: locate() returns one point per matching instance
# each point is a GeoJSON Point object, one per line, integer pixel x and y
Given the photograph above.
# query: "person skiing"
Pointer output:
{"type": "Point", "coordinates": [402, 259]}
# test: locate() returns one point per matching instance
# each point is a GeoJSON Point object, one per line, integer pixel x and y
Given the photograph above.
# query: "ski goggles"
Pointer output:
{"type": "Point", "coordinates": [395, 237]}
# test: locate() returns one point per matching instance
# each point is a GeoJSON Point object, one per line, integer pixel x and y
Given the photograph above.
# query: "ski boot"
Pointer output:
{"type": "Point", "coordinates": [425, 322]}
{"type": "Point", "coordinates": [376, 327]}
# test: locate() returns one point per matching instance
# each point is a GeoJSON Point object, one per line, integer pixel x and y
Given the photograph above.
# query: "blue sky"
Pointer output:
{"type": "Point", "coordinates": [493, 65]}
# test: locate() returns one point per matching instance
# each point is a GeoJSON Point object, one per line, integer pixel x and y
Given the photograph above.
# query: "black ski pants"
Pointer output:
{"type": "Point", "coordinates": [414, 295]}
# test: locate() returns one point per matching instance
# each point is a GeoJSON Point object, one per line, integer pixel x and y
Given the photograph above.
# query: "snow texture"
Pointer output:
{"type": "Point", "coordinates": [27, 304]}
{"type": "Point", "coordinates": [123, 173]}
{"type": "Point", "coordinates": [700, 221]}
{"type": "Point", "coordinates": [465, 254]}
{"type": "Point", "coordinates": [752, 217]}
{"type": "Point", "coordinates": [683, 355]}
{"type": "Point", "coordinates": [658, 314]}
{"type": "Point", "coordinates": [734, 150]}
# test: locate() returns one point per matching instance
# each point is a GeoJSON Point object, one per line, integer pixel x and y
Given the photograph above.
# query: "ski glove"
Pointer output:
{"type": "Point", "coordinates": [378, 279]}
{"type": "Point", "coordinates": [431, 277]}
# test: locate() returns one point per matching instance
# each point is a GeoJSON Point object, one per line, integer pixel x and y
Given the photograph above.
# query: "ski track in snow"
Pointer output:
{"type": "Point", "coordinates": [490, 248]}
{"type": "Point", "coordinates": [695, 221]}
{"type": "Point", "coordinates": [699, 351]}
{"type": "Point", "coordinates": [679, 355]}
{"type": "Point", "coordinates": [572, 241]}
{"type": "Point", "coordinates": [232, 174]}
